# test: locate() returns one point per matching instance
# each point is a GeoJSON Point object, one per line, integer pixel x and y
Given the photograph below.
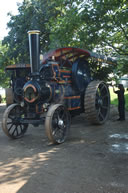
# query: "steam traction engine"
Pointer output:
{"type": "Point", "coordinates": [58, 88]}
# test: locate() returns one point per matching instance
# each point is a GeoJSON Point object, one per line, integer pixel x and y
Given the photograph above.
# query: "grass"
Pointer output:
{"type": "Point", "coordinates": [114, 99]}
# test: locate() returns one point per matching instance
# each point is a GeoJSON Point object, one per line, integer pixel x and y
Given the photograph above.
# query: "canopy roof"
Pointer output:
{"type": "Point", "coordinates": [72, 54]}
{"type": "Point", "coordinates": [69, 54]}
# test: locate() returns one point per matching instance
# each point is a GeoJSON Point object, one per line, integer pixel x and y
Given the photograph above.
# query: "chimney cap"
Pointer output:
{"type": "Point", "coordinates": [33, 32]}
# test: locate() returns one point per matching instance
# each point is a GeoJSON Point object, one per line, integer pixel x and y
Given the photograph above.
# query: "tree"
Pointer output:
{"type": "Point", "coordinates": [34, 14]}
{"type": "Point", "coordinates": [4, 61]}
{"type": "Point", "coordinates": [99, 25]}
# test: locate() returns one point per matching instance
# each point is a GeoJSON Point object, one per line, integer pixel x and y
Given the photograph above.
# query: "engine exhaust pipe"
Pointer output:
{"type": "Point", "coordinates": [34, 51]}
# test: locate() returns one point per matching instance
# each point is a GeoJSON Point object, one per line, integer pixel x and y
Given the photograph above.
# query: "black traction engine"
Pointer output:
{"type": "Point", "coordinates": [55, 90]}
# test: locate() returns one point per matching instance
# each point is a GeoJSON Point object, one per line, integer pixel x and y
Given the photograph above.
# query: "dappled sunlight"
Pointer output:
{"type": "Point", "coordinates": [16, 172]}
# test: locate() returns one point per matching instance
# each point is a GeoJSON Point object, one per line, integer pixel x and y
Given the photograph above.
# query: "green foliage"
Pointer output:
{"type": "Point", "coordinates": [34, 14]}
{"type": "Point", "coordinates": [100, 71]}
{"type": "Point", "coordinates": [126, 98]}
{"type": "Point", "coordinates": [100, 26]}
{"type": "Point", "coordinates": [4, 61]}
{"type": "Point", "coordinates": [97, 25]}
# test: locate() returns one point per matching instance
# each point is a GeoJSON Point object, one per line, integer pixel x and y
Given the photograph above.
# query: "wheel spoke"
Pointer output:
{"type": "Point", "coordinates": [8, 123]}
{"type": "Point", "coordinates": [54, 131]}
{"type": "Point", "coordinates": [14, 130]}
{"type": "Point", "coordinates": [10, 127]}
{"type": "Point", "coordinates": [102, 87]}
{"type": "Point", "coordinates": [58, 116]}
{"type": "Point", "coordinates": [11, 116]}
{"type": "Point", "coordinates": [17, 131]}
{"type": "Point", "coordinates": [101, 115]}
{"type": "Point", "coordinates": [63, 114]}
{"type": "Point", "coordinates": [21, 128]}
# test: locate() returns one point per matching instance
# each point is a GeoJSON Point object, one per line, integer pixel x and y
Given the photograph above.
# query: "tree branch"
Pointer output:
{"type": "Point", "coordinates": [118, 50]}
{"type": "Point", "coordinates": [123, 30]}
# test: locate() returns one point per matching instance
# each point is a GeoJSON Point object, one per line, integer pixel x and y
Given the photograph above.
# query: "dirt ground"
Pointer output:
{"type": "Point", "coordinates": [94, 159]}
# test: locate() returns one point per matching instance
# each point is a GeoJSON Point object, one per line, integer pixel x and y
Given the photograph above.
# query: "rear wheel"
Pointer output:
{"type": "Point", "coordinates": [11, 123]}
{"type": "Point", "coordinates": [97, 102]}
{"type": "Point", "coordinates": [57, 123]}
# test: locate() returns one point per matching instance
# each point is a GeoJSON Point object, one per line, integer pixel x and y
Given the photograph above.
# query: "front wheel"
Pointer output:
{"type": "Point", "coordinates": [57, 123]}
{"type": "Point", "coordinates": [11, 123]}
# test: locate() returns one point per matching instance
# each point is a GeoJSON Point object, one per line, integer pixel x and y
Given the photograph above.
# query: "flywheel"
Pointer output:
{"type": "Point", "coordinates": [97, 102]}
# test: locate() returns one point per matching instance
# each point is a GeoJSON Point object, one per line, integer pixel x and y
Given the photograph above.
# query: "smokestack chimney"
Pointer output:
{"type": "Point", "coordinates": [34, 51]}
